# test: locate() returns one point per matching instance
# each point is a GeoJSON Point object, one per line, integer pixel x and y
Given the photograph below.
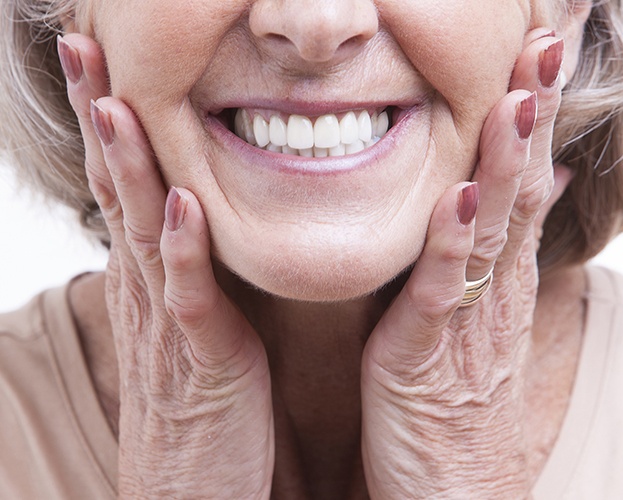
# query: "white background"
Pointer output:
{"type": "Point", "coordinates": [43, 246]}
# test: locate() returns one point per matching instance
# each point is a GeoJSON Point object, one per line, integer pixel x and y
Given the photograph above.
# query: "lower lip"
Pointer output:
{"type": "Point", "coordinates": [311, 166]}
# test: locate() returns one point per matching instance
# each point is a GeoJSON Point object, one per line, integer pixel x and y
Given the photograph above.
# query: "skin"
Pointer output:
{"type": "Point", "coordinates": [229, 392]}
{"type": "Point", "coordinates": [250, 224]}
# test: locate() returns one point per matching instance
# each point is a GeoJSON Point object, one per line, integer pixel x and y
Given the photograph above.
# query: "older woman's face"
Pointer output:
{"type": "Point", "coordinates": [323, 228]}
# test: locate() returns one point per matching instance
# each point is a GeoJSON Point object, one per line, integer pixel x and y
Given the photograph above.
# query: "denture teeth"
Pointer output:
{"type": "Point", "coordinates": [300, 132]}
{"type": "Point", "coordinates": [238, 126]}
{"type": "Point", "coordinates": [326, 131]}
{"type": "Point", "coordinates": [321, 152]}
{"type": "Point", "coordinates": [247, 127]}
{"type": "Point", "coordinates": [287, 150]}
{"type": "Point", "coordinates": [382, 125]}
{"type": "Point", "coordinates": [274, 148]}
{"type": "Point", "coordinates": [365, 126]}
{"type": "Point", "coordinates": [349, 129]}
{"type": "Point", "coordinates": [261, 131]}
{"type": "Point", "coordinates": [278, 131]}
{"type": "Point", "coordinates": [300, 136]}
{"type": "Point", "coordinates": [339, 150]}
{"type": "Point", "coordinates": [355, 147]}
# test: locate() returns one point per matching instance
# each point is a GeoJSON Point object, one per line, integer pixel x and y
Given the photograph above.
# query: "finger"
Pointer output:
{"type": "Point", "coordinates": [215, 329]}
{"type": "Point", "coordinates": [84, 67]}
{"type": "Point", "coordinates": [538, 68]}
{"type": "Point", "coordinates": [504, 155]}
{"type": "Point", "coordinates": [138, 185]}
{"type": "Point", "coordinates": [563, 175]}
{"type": "Point", "coordinates": [411, 327]}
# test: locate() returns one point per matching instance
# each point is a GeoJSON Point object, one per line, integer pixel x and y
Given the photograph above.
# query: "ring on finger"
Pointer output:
{"type": "Point", "coordinates": [475, 290]}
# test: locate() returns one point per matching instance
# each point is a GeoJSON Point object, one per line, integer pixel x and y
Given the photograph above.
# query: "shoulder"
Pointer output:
{"type": "Point", "coordinates": [588, 455]}
{"type": "Point", "coordinates": [604, 306]}
{"type": "Point", "coordinates": [23, 324]}
{"type": "Point", "coordinates": [605, 286]}
{"type": "Point", "coordinates": [55, 440]}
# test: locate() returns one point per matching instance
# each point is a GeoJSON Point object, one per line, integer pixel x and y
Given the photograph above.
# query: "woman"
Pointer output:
{"type": "Point", "coordinates": [368, 322]}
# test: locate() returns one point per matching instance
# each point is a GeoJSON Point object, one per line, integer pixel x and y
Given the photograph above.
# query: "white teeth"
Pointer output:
{"type": "Point", "coordinates": [247, 127]}
{"type": "Point", "coordinates": [326, 131]}
{"type": "Point", "coordinates": [278, 131]}
{"type": "Point", "coordinates": [365, 126]}
{"type": "Point", "coordinates": [261, 131]}
{"type": "Point", "coordinates": [382, 125]}
{"type": "Point", "coordinates": [321, 152]}
{"type": "Point", "coordinates": [327, 136]}
{"type": "Point", "coordinates": [274, 148]}
{"type": "Point", "coordinates": [300, 132]}
{"type": "Point", "coordinates": [287, 150]}
{"type": "Point", "coordinates": [339, 150]}
{"type": "Point", "coordinates": [349, 130]}
{"type": "Point", "coordinates": [355, 147]}
{"type": "Point", "coordinates": [238, 127]}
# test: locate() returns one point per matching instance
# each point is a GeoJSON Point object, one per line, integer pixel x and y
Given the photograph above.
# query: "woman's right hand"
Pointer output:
{"type": "Point", "coordinates": [196, 413]}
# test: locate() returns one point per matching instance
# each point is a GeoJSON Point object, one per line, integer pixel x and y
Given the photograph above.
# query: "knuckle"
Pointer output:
{"type": "Point", "coordinates": [128, 174]}
{"type": "Point", "coordinates": [178, 257]}
{"type": "Point", "coordinates": [81, 104]}
{"type": "Point", "coordinates": [145, 249]}
{"type": "Point", "coordinates": [531, 199]}
{"type": "Point", "coordinates": [436, 311]}
{"type": "Point", "coordinates": [187, 310]}
{"type": "Point", "coordinates": [456, 252]}
{"type": "Point", "coordinates": [435, 305]}
{"type": "Point", "coordinates": [108, 203]}
{"type": "Point", "coordinates": [489, 246]}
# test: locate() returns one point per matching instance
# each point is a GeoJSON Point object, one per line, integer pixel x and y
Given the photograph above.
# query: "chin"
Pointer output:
{"type": "Point", "coordinates": [320, 276]}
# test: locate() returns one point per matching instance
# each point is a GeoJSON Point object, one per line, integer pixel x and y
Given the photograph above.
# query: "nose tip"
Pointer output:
{"type": "Point", "coordinates": [317, 31]}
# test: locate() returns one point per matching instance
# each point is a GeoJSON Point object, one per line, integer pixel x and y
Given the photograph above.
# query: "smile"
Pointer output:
{"type": "Point", "coordinates": [329, 135]}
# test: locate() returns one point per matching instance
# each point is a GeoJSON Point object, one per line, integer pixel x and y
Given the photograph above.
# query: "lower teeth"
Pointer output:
{"type": "Point", "coordinates": [339, 150]}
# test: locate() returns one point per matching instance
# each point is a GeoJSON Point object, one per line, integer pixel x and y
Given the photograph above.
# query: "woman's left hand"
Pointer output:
{"type": "Point", "coordinates": [442, 386]}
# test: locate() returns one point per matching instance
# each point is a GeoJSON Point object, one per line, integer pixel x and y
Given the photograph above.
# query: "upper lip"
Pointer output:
{"type": "Point", "coordinates": [311, 108]}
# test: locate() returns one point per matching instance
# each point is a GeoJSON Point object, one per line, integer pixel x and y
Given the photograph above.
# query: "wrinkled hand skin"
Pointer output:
{"type": "Point", "coordinates": [443, 387]}
{"type": "Point", "coordinates": [196, 415]}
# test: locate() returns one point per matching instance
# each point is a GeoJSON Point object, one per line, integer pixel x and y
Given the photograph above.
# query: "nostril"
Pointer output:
{"type": "Point", "coordinates": [278, 38]}
{"type": "Point", "coordinates": [318, 32]}
{"type": "Point", "coordinates": [353, 42]}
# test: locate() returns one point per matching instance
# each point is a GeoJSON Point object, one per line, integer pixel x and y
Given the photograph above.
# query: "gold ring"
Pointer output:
{"type": "Point", "coordinates": [474, 290]}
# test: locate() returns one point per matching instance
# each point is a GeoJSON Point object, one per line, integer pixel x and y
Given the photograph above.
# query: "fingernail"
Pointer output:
{"type": "Point", "coordinates": [525, 116]}
{"type": "Point", "coordinates": [70, 60]}
{"type": "Point", "coordinates": [175, 210]}
{"type": "Point", "coordinates": [467, 203]}
{"type": "Point", "coordinates": [550, 62]}
{"type": "Point", "coordinates": [103, 124]}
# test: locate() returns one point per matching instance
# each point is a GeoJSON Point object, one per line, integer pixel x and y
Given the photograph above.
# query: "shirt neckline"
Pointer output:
{"type": "Point", "coordinates": [83, 406]}
{"type": "Point", "coordinates": [561, 465]}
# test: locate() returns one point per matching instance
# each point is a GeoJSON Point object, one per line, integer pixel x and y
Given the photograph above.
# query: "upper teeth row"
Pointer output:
{"type": "Point", "coordinates": [327, 136]}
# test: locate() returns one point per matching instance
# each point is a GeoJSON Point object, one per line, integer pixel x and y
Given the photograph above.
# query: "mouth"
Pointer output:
{"type": "Point", "coordinates": [323, 136]}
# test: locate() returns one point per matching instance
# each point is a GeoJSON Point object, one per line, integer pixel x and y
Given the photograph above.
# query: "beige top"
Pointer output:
{"type": "Point", "coordinates": [55, 442]}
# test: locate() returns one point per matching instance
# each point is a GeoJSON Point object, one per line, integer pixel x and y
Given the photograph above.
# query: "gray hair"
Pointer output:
{"type": "Point", "coordinates": [40, 137]}
{"type": "Point", "coordinates": [39, 132]}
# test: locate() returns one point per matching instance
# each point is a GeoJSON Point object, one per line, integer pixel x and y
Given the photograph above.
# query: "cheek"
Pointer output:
{"type": "Point", "coordinates": [157, 50]}
{"type": "Point", "coordinates": [465, 49]}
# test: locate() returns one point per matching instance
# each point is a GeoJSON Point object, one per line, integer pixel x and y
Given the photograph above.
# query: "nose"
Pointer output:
{"type": "Point", "coordinates": [316, 31]}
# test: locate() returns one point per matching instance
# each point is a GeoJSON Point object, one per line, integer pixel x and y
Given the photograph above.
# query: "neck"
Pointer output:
{"type": "Point", "coordinates": [314, 351]}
